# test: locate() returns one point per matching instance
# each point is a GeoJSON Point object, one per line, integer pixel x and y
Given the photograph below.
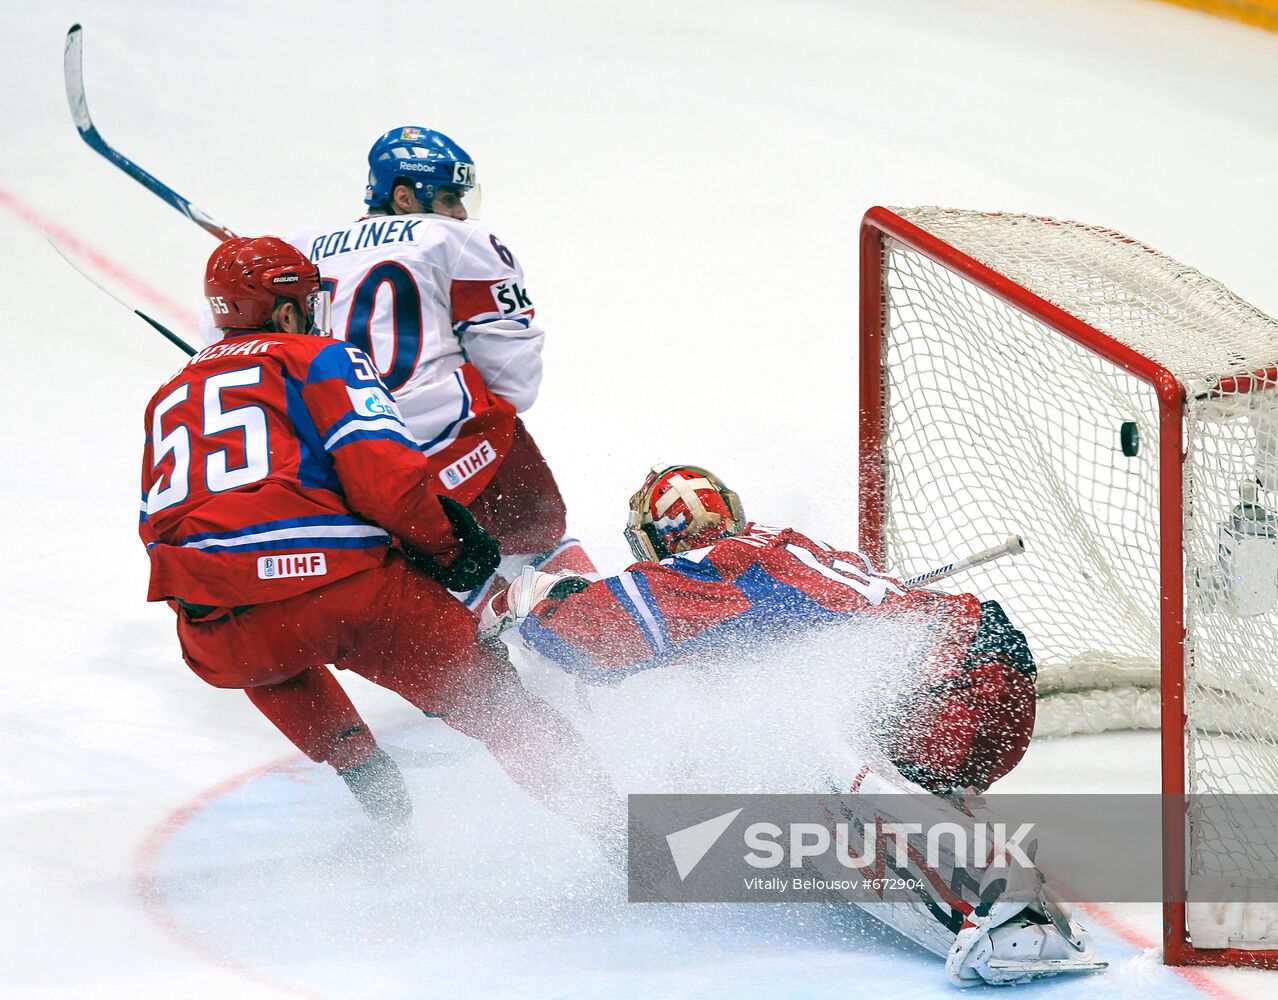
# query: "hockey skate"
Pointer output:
{"type": "Point", "coordinates": [1016, 943]}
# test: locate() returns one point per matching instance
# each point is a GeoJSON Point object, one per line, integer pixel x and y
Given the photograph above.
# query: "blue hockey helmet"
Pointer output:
{"type": "Point", "coordinates": [424, 158]}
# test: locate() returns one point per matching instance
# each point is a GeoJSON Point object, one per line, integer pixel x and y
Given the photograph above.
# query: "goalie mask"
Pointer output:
{"type": "Point", "coordinates": [681, 507]}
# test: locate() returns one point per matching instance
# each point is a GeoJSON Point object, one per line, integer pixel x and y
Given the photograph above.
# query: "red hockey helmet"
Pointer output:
{"type": "Point", "coordinates": [245, 278]}
{"type": "Point", "coordinates": [681, 507]}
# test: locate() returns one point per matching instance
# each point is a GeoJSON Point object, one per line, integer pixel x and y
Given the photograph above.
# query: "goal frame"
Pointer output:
{"type": "Point", "coordinates": [879, 223]}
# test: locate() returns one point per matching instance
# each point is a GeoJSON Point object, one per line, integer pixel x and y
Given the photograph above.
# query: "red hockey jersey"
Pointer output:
{"type": "Point", "coordinates": [763, 583]}
{"type": "Point", "coordinates": [274, 464]}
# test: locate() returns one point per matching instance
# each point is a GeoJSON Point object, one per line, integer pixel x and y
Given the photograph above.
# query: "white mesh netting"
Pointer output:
{"type": "Point", "coordinates": [994, 423]}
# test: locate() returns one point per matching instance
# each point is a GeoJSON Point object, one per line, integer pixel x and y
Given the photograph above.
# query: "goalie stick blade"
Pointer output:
{"type": "Point", "coordinates": [73, 76]}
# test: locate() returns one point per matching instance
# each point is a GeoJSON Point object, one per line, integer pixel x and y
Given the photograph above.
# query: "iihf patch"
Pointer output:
{"type": "Point", "coordinates": [300, 564]}
{"type": "Point", "coordinates": [410, 134]}
{"type": "Point", "coordinates": [466, 466]}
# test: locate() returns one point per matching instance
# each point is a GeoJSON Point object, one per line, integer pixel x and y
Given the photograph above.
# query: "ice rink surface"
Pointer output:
{"type": "Point", "coordinates": [683, 185]}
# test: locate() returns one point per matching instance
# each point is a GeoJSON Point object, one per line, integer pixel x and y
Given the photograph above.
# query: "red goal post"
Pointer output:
{"type": "Point", "coordinates": [924, 236]}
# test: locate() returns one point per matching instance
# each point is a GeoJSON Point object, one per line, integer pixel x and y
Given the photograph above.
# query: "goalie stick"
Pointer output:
{"type": "Point", "coordinates": [73, 72]}
{"type": "Point", "coordinates": [1012, 547]}
{"type": "Point", "coordinates": [164, 331]}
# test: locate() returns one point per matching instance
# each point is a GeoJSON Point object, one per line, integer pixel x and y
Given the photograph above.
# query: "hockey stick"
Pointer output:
{"type": "Point", "coordinates": [73, 71]}
{"type": "Point", "coordinates": [164, 331]}
{"type": "Point", "coordinates": [1012, 547]}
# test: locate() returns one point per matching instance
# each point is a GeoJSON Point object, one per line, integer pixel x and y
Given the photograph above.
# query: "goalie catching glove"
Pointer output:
{"type": "Point", "coordinates": [477, 557]}
{"type": "Point", "coordinates": [508, 607]}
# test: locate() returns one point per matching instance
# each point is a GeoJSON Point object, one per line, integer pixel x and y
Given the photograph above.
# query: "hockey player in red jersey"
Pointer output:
{"type": "Point", "coordinates": [708, 577]}
{"type": "Point", "coordinates": [292, 522]}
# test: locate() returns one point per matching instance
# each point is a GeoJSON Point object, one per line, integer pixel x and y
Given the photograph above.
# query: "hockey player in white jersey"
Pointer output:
{"type": "Point", "coordinates": [441, 306]}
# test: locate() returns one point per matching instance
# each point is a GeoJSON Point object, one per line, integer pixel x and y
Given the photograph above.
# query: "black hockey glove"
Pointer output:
{"type": "Point", "coordinates": [477, 559]}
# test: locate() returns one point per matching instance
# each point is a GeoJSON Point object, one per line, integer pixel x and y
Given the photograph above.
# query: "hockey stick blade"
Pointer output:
{"type": "Point", "coordinates": [73, 72]}
{"type": "Point", "coordinates": [164, 331]}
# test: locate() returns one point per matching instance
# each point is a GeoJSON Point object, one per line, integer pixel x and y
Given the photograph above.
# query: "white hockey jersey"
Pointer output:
{"type": "Point", "coordinates": [441, 307]}
{"type": "Point", "coordinates": [422, 294]}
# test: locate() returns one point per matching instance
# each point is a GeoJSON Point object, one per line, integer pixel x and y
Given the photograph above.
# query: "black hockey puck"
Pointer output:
{"type": "Point", "coordinates": [1129, 438]}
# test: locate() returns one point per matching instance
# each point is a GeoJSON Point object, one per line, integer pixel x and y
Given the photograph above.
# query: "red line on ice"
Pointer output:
{"type": "Point", "coordinates": [148, 294]}
{"type": "Point", "coordinates": [1117, 925]}
{"type": "Point", "coordinates": [146, 883]}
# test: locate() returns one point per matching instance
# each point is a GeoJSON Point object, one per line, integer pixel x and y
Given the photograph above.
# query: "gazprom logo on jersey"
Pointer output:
{"type": "Point", "coordinates": [470, 463]}
{"type": "Point", "coordinates": [299, 564]}
{"type": "Point", "coordinates": [372, 402]}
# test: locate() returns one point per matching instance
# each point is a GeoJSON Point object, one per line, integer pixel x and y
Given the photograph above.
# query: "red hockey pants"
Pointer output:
{"type": "Point", "coordinates": [393, 625]}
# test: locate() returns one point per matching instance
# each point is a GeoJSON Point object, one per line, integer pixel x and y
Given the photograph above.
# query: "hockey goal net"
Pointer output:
{"type": "Point", "coordinates": [1119, 410]}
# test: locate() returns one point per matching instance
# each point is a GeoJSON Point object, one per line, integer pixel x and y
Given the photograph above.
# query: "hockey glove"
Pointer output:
{"type": "Point", "coordinates": [507, 608]}
{"type": "Point", "coordinates": [475, 562]}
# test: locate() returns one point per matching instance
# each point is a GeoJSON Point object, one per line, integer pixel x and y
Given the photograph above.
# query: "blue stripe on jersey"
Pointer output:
{"type": "Point", "coordinates": [465, 412]}
{"type": "Point", "coordinates": [640, 582]}
{"type": "Point", "coordinates": [358, 427]}
{"type": "Point", "coordinates": [312, 521]}
{"type": "Point", "coordinates": [698, 569]}
{"type": "Point", "coordinates": [548, 643]}
{"type": "Point", "coordinates": [780, 602]}
{"type": "Point", "coordinates": [373, 435]}
{"type": "Point", "coordinates": [142, 511]}
{"type": "Point", "coordinates": [299, 539]}
{"type": "Point", "coordinates": [315, 469]}
{"type": "Point", "coordinates": [523, 321]}
{"type": "Point", "coordinates": [647, 628]}
{"type": "Point", "coordinates": [333, 362]}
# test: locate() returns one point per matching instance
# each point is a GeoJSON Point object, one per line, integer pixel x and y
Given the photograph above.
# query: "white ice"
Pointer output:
{"type": "Point", "coordinates": [683, 184]}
